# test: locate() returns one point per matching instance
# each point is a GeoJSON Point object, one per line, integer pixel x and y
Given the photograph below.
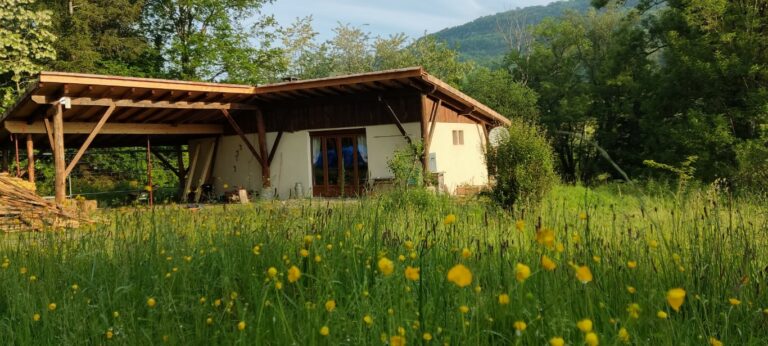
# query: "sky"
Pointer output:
{"type": "Point", "coordinates": [386, 17]}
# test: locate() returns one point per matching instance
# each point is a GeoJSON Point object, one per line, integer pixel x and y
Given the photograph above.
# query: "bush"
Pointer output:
{"type": "Point", "coordinates": [752, 174]}
{"type": "Point", "coordinates": [522, 165]}
{"type": "Point", "coordinates": [406, 165]}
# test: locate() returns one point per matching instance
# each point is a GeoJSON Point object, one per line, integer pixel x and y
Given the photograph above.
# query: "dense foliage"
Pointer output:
{"type": "Point", "coordinates": [642, 269]}
{"type": "Point", "coordinates": [522, 165]}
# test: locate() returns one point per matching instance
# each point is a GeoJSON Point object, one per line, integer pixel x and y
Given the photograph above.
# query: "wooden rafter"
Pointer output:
{"type": "Point", "coordinates": [240, 133]}
{"type": "Point", "coordinates": [82, 128]}
{"type": "Point", "coordinates": [274, 148]}
{"type": "Point", "coordinates": [84, 101]}
{"type": "Point", "coordinates": [397, 120]}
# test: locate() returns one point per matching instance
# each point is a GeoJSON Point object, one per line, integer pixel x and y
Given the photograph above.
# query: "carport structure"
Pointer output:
{"type": "Point", "coordinates": [68, 110]}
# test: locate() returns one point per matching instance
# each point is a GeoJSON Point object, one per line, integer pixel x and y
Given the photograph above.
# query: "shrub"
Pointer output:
{"type": "Point", "coordinates": [522, 165]}
{"type": "Point", "coordinates": [406, 165]}
{"type": "Point", "coordinates": [752, 174]}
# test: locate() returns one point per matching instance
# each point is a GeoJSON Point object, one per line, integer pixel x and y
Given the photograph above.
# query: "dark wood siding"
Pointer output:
{"type": "Point", "coordinates": [446, 114]}
{"type": "Point", "coordinates": [335, 111]}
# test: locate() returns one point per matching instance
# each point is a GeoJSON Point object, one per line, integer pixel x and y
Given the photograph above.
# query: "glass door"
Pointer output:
{"type": "Point", "coordinates": [339, 163]}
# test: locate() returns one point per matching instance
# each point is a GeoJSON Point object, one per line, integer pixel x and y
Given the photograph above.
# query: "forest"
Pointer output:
{"type": "Point", "coordinates": [647, 90]}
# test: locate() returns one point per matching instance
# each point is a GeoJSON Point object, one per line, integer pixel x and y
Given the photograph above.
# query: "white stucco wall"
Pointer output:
{"type": "Point", "coordinates": [460, 164]}
{"type": "Point", "coordinates": [235, 165]}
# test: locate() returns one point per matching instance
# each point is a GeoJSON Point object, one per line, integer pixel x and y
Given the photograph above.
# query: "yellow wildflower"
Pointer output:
{"type": "Point", "coordinates": [449, 219]}
{"type": "Point", "coordinates": [294, 273]}
{"type": "Point", "coordinates": [676, 298]}
{"type": "Point", "coordinates": [520, 327]}
{"type": "Point", "coordinates": [427, 336]}
{"type": "Point", "coordinates": [368, 320]}
{"type": "Point", "coordinates": [632, 264]}
{"type": "Point", "coordinates": [386, 266]}
{"type": "Point", "coordinates": [272, 272]}
{"type": "Point", "coordinates": [547, 263]}
{"type": "Point", "coordinates": [714, 342]}
{"type": "Point", "coordinates": [662, 315]}
{"type": "Point", "coordinates": [734, 301]}
{"type": "Point", "coordinates": [36, 317]}
{"type": "Point", "coordinates": [591, 339]}
{"type": "Point", "coordinates": [52, 307]}
{"type": "Point", "coordinates": [634, 310]}
{"type": "Point", "coordinates": [460, 275]}
{"type": "Point", "coordinates": [304, 253]}
{"type": "Point", "coordinates": [397, 340]}
{"type": "Point", "coordinates": [582, 216]}
{"type": "Point", "coordinates": [109, 334]}
{"type": "Point", "coordinates": [623, 335]}
{"type": "Point", "coordinates": [324, 331]}
{"type": "Point", "coordinates": [522, 272]}
{"type": "Point", "coordinates": [631, 290]}
{"type": "Point", "coordinates": [584, 274]}
{"type": "Point", "coordinates": [503, 299]}
{"type": "Point", "coordinates": [520, 225]}
{"type": "Point", "coordinates": [241, 326]}
{"type": "Point", "coordinates": [465, 253]}
{"type": "Point", "coordinates": [412, 273]}
{"type": "Point", "coordinates": [463, 309]}
{"type": "Point", "coordinates": [556, 341]}
{"type": "Point", "coordinates": [545, 237]}
{"type": "Point", "coordinates": [585, 325]}
{"type": "Point", "coordinates": [330, 305]}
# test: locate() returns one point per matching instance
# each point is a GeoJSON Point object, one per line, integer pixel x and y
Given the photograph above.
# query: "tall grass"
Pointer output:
{"type": "Point", "coordinates": [207, 270]}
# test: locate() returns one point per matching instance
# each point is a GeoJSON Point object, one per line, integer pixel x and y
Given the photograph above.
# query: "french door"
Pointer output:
{"type": "Point", "coordinates": [339, 163]}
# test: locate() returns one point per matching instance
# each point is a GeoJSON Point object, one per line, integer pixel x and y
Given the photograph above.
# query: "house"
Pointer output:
{"type": "Point", "coordinates": [321, 137]}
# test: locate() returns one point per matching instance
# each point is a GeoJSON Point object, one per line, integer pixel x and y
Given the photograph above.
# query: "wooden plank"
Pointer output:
{"type": "Point", "coordinates": [274, 148]}
{"type": "Point", "coordinates": [433, 122]}
{"type": "Point", "coordinates": [106, 102]}
{"type": "Point", "coordinates": [58, 155]}
{"type": "Point", "coordinates": [262, 136]}
{"type": "Point", "coordinates": [165, 163]}
{"type": "Point", "coordinates": [88, 140]}
{"type": "Point", "coordinates": [30, 159]}
{"type": "Point", "coordinates": [141, 83]}
{"type": "Point", "coordinates": [397, 120]}
{"type": "Point", "coordinates": [78, 128]}
{"type": "Point", "coordinates": [191, 172]}
{"type": "Point", "coordinates": [206, 169]}
{"type": "Point", "coordinates": [240, 133]}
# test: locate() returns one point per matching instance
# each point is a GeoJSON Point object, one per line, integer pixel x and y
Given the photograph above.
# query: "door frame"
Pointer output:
{"type": "Point", "coordinates": [327, 190]}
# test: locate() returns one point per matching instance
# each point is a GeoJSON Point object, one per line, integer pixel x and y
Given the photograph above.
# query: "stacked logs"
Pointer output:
{"type": "Point", "coordinates": [21, 209]}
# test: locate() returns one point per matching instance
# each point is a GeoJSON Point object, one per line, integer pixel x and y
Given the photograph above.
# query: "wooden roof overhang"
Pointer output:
{"type": "Point", "coordinates": [155, 107]}
{"type": "Point", "coordinates": [173, 112]}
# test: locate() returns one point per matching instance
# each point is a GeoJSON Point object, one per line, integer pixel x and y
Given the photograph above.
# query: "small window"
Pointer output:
{"type": "Point", "coordinates": [458, 137]}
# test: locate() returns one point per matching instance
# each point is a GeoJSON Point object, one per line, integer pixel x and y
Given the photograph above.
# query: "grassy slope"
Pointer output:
{"type": "Point", "coordinates": [178, 257]}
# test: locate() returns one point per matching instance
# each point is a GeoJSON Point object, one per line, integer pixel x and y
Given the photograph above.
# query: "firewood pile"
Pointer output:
{"type": "Point", "coordinates": [21, 209]}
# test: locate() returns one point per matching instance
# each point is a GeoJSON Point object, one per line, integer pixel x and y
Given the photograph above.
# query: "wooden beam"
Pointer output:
{"type": "Point", "coordinates": [165, 163]}
{"type": "Point", "coordinates": [274, 148]}
{"type": "Point", "coordinates": [106, 102]}
{"type": "Point", "coordinates": [397, 120]}
{"type": "Point", "coordinates": [78, 128]}
{"type": "Point", "coordinates": [206, 169]}
{"type": "Point", "coordinates": [240, 133]}
{"type": "Point", "coordinates": [433, 121]}
{"type": "Point", "coordinates": [182, 173]}
{"type": "Point", "coordinates": [58, 155]}
{"type": "Point", "coordinates": [262, 134]}
{"type": "Point", "coordinates": [30, 159]}
{"type": "Point", "coordinates": [18, 163]}
{"type": "Point", "coordinates": [94, 131]}
{"type": "Point", "coordinates": [48, 131]}
{"type": "Point", "coordinates": [191, 172]}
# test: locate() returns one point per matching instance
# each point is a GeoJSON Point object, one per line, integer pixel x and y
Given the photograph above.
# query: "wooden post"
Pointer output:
{"type": "Point", "coordinates": [18, 163]}
{"type": "Point", "coordinates": [149, 174]}
{"type": "Point", "coordinates": [58, 155]}
{"type": "Point", "coordinates": [182, 173]}
{"type": "Point", "coordinates": [262, 132]}
{"type": "Point", "coordinates": [4, 167]}
{"type": "Point", "coordinates": [30, 159]}
{"type": "Point", "coordinates": [88, 140]}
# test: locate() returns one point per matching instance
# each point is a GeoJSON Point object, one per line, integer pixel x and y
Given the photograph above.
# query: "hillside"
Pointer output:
{"type": "Point", "coordinates": [480, 40]}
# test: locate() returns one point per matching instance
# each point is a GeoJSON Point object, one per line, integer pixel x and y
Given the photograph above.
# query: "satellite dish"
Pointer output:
{"type": "Point", "coordinates": [497, 135]}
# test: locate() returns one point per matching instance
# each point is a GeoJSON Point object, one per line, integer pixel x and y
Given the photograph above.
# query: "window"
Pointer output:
{"type": "Point", "coordinates": [458, 137]}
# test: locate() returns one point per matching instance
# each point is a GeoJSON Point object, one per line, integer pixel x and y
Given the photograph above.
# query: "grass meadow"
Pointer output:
{"type": "Point", "coordinates": [608, 266]}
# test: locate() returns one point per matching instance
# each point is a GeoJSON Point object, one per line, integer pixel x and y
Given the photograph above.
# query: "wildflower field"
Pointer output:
{"type": "Point", "coordinates": [590, 267]}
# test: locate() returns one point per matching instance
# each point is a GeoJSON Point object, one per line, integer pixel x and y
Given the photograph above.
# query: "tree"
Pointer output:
{"type": "Point", "coordinates": [100, 36]}
{"type": "Point", "coordinates": [26, 45]}
{"type": "Point", "coordinates": [498, 90]}
{"type": "Point", "coordinates": [206, 40]}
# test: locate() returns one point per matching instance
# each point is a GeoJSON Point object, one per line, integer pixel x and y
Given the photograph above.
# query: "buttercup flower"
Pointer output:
{"type": "Point", "coordinates": [676, 298]}
{"type": "Point", "coordinates": [294, 273]}
{"type": "Point", "coordinates": [547, 263]}
{"type": "Point", "coordinates": [522, 272]}
{"type": "Point", "coordinates": [460, 275]}
{"type": "Point", "coordinates": [584, 274]}
{"type": "Point", "coordinates": [386, 266]}
{"type": "Point", "coordinates": [412, 273]}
